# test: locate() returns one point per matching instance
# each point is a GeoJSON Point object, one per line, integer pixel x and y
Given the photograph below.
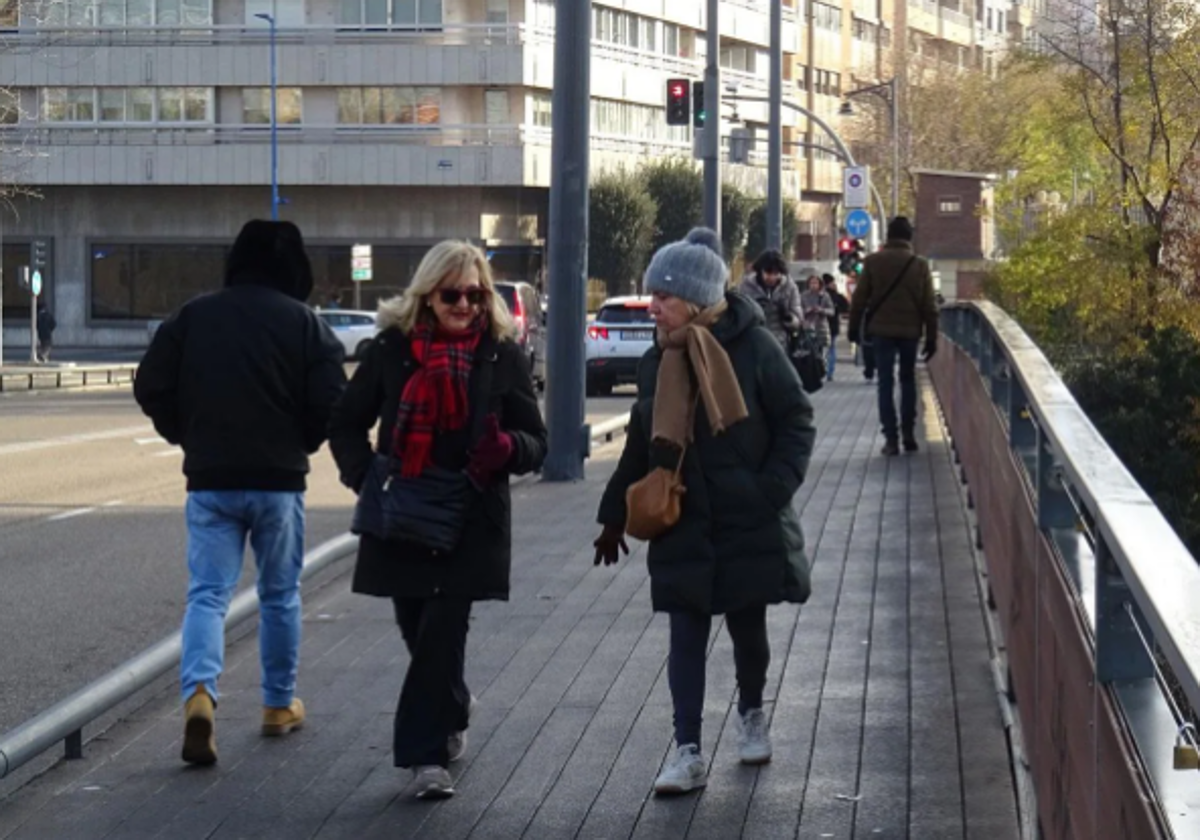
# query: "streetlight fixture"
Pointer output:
{"type": "Point", "coordinates": [270, 19]}
{"type": "Point", "coordinates": [887, 92]}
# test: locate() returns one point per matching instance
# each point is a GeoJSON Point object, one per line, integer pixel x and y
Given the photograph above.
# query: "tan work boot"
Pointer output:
{"type": "Point", "coordinates": [199, 737]}
{"type": "Point", "coordinates": [282, 721]}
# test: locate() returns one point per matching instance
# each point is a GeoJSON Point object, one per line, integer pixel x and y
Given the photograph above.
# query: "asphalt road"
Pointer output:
{"type": "Point", "coordinates": [92, 538]}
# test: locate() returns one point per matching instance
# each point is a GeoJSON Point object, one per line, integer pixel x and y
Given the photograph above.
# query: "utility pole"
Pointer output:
{"type": "Point", "coordinates": [712, 121]}
{"type": "Point", "coordinates": [775, 133]}
{"type": "Point", "coordinates": [570, 117]}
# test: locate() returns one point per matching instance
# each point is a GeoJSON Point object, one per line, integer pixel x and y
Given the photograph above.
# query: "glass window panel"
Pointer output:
{"type": "Point", "coordinates": [402, 109]}
{"type": "Point", "coordinates": [170, 105]}
{"type": "Point", "coordinates": [372, 106]}
{"type": "Point", "coordinates": [54, 104]}
{"type": "Point", "coordinates": [404, 12]}
{"type": "Point", "coordinates": [140, 105]}
{"type": "Point", "coordinates": [8, 13]}
{"type": "Point", "coordinates": [349, 106]}
{"type": "Point", "coordinates": [429, 12]}
{"type": "Point", "coordinates": [349, 12]}
{"type": "Point", "coordinates": [81, 105]}
{"type": "Point", "coordinates": [16, 299]}
{"type": "Point", "coordinates": [129, 281]}
{"type": "Point", "coordinates": [169, 13]}
{"type": "Point", "coordinates": [10, 107]}
{"type": "Point", "coordinates": [495, 107]}
{"type": "Point", "coordinates": [139, 12]}
{"type": "Point", "coordinates": [112, 12]}
{"type": "Point", "coordinates": [196, 104]}
{"type": "Point", "coordinates": [375, 12]}
{"type": "Point", "coordinates": [497, 11]}
{"type": "Point", "coordinates": [112, 105]}
{"type": "Point", "coordinates": [256, 106]}
{"type": "Point", "coordinates": [197, 12]}
{"type": "Point", "coordinates": [429, 106]}
{"type": "Point", "coordinates": [290, 106]}
{"type": "Point", "coordinates": [79, 12]}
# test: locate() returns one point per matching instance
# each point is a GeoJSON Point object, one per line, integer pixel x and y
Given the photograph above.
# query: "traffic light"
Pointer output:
{"type": "Point", "coordinates": [38, 255]}
{"type": "Point", "coordinates": [856, 258]}
{"type": "Point", "coordinates": [679, 101]}
{"type": "Point", "coordinates": [698, 112]}
{"type": "Point", "coordinates": [846, 257]}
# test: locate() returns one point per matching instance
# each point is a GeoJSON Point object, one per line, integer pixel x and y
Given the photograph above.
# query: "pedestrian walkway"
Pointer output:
{"type": "Point", "coordinates": [885, 719]}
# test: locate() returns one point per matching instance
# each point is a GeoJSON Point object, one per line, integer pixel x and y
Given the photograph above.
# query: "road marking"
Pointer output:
{"type": "Point", "coordinates": [113, 503]}
{"type": "Point", "coordinates": [70, 514]}
{"type": "Point", "coordinates": [148, 441]}
{"type": "Point", "coordinates": [68, 440]}
{"type": "Point", "coordinates": [168, 453]}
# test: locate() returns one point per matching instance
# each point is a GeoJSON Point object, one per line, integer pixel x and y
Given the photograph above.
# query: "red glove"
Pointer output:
{"type": "Point", "coordinates": [491, 454]}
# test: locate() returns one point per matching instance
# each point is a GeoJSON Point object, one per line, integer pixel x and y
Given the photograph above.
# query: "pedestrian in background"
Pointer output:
{"type": "Point", "coordinates": [244, 380]}
{"type": "Point", "coordinates": [893, 306]}
{"type": "Point", "coordinates": [818, 308]}
{"type": "Point", "coordinates": [840, 307]}
{"type": "Point", "coordinates": [776, 294]}
{"type": "Point", "coordinates": [46, 324]}
{"type": "Point", "coordinates": [447, 387]}
{"type": "Point", "coordinates": [718, 402]}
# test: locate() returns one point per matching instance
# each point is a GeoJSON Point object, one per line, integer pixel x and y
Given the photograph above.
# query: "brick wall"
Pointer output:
{"type": "Point", "coordinates": [948, 225]}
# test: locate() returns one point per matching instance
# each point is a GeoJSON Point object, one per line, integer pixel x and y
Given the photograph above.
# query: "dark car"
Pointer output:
{"type": "Point", "coordinates": [526, 308]}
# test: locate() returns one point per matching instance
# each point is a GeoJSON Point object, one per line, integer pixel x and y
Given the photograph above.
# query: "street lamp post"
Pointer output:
{"type": "Point", "coordinates": [887, 92]}
{"type": "Point", "coordinates": [270, 19]}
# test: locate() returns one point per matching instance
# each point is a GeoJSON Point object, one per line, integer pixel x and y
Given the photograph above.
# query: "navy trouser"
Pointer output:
{"type": "Point", "coordinates": [887, 351]}
{"type": "Point", "coordinates": [686, 664]}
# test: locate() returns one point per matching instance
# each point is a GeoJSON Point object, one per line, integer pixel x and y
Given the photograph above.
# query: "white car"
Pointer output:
{"type": "Point", "coordinates": [353, 328]}
{"type": "Point", "coordinates": [616, 341]}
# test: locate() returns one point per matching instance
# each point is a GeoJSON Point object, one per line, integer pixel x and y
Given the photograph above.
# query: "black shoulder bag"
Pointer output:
{"type": "Point", "coordinates": [430, 509]}
{"type": "Point", "coordinates": [864, 337]}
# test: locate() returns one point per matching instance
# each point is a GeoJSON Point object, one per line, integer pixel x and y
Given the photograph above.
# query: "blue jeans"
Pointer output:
{"type": "Point", "coordinates": [219, 522]}
{"type": "Point", "coordinates": [887, 351]}
{"type": "Point", "coordinates": [831, 359]}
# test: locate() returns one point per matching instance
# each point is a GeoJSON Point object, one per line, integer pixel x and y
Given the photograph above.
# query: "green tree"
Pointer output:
{"type": "Point", "coordinates": [678, 191]}
{"type": "Point", "coordinates": [621, 218]}
{"type": "Point", "coordinates": [735, 220]}
{"type": "Point", "coordinates": [756, 233]}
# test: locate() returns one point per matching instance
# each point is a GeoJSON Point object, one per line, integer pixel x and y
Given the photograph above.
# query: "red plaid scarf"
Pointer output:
{"type": "Point", "coordinates": [435, 397]}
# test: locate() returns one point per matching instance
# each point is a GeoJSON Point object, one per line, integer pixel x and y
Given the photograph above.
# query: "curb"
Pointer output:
{"type": "Point", "coordinates": [29, 378]}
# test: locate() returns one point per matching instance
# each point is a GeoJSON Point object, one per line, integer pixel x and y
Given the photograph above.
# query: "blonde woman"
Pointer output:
{"type": "Point", "coordinates": [447, 387]}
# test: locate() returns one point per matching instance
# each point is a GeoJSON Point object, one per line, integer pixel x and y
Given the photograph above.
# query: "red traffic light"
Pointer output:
{"type": "Point", "coordinates": [677, 91]}
{"type": "Point", "coordinates": [846, 245]}
{"type": "Point", "coordinates": [679, 104]}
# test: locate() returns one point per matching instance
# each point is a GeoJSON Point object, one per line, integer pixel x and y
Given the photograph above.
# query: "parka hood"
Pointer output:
{"type": "Point", "coordinates": [742, 314]}
{"type": "Point", "coordinates": [270, 254]}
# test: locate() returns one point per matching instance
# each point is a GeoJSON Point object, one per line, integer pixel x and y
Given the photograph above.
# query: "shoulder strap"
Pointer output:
{"type": "Point", "coordinates": [874, 307]}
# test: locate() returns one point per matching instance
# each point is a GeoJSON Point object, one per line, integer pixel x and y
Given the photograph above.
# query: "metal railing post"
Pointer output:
{"type": "Point", "coordinates": [1054, 510]}
{"type": "Point", "coordinates": [1022, 433]}
{"type": "Point", "coordinates": [1120, 651]}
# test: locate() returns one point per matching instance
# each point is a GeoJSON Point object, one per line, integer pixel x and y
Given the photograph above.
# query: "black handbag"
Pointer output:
{"type": "Point", "coordinates": [808, 361]}
{"type": "Point", "coordinates": [864, 337]}
{"type": "Point", "coordinates": [428, 510]}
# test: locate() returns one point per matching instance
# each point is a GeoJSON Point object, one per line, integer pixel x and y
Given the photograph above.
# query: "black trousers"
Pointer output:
{"type": "Point", "coordinates": [687, 659]}
{"type": "Point", "coordinates": [434, 699]}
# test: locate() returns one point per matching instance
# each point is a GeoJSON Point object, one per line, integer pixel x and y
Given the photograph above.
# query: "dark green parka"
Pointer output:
{"type": "Point", "coordinates": [738, 542]}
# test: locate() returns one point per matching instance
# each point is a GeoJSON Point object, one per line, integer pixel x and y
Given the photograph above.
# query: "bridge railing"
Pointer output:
{"type": "Point", "coordinates": [1096, 594]}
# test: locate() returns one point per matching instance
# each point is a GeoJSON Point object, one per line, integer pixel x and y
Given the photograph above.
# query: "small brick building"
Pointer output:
{"type": "Point", "coordinates": [955, 228]}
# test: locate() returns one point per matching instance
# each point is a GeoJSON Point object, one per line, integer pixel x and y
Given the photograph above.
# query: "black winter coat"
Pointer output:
{"type": "Point", "coordinates": [478, 568]}
{"type": "Point", "coordinates": [738, 542]}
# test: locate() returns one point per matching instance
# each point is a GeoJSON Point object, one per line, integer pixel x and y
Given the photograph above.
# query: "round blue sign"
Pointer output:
{"type": "Point", "coordinates": [35, 283]}
{"type": "Point", "coordinates": [858, 223]}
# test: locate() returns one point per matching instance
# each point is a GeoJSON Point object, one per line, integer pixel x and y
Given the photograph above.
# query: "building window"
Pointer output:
{"type": "Point", "coordinates": [497, 11]}
{"type": "Point", "coordinates": [86, 13]}
{"type": "Point", "coordinates": [495, 107]}
{"type": "Point", "coordinates": [827, 17]}
{"type": "Point", "coordinates": [389, 106]}
{"type": "Point", "coordinates": [541, 110]}
{"type": "Point", "coordinates": [640, 122]}
{"type": "Point", "coordinates": [256, 106]}
{"type": "Point", "coordinates": [949, 205]}
{"type": "Point", "coordinates": [10, 107]}
{"type": "Point", "coordinates": [143, 282]}
{"type": "Point", "coordinates": [127, 105]}
{"type": "Point", "coordinates": [16, 256]}
{"type": "Point", "coordinates": [402, 13]}
{"type": "Point", "coordinates": [8, 14]}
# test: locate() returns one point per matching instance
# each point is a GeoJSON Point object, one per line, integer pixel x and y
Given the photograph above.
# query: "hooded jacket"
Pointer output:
{"type": "Point", "coordinates": [244, 379]}
{"type": "Point", "coordinates": [780, 304]}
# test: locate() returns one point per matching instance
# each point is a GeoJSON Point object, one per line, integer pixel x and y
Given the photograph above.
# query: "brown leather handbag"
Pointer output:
{"type": "Point", "coordinates": [653, 505]}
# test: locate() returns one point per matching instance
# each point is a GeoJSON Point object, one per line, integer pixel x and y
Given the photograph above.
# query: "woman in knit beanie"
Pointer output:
{"type": "Point", "coordinates": [719, 402]}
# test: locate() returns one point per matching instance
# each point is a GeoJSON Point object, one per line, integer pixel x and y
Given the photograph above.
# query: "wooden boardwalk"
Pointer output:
{"type": "Point", "coordinates": [885, 719]}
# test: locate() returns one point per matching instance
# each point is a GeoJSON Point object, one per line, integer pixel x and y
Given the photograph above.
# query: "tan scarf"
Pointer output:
{"type": "Point", "coordinates": [693, 347]}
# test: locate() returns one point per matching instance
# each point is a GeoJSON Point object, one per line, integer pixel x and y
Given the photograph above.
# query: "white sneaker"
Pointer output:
{"type": "Point", "coordinates": [433, 782]}
{"type": "Point", "coordinates": [456, 744]}
{"type": "Point", "coordinates": [685, 771]}
{"type": "Point", "coordinates": [754, 741]}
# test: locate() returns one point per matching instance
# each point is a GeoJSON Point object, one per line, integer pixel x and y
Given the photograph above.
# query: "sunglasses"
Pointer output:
{"type": "Point", "coordinates": [451, 297]}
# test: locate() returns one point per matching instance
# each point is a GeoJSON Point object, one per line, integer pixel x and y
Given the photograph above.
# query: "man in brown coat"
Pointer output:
{"type": "Point", "coordinates": [893, 305]}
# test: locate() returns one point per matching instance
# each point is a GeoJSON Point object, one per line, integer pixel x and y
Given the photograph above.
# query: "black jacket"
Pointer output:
{"type": "Point", "coordinates": [738, 542]}
{"type": "Point", "coordinates": [46, 324]}
{"type": "Point", "coordinates": [244, 380]}
{"type": "Point", "coordinates": [478, 568]}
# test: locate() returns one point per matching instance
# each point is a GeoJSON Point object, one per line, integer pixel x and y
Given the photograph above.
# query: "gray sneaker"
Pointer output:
{"type": "Point", "coordinates": [456, 744]}
{"type": "Point", "coordinates": [432, 782]}
{"type": "Point", "coordinates": [685, 771]}
{"type": "Point", "coordinates": [754, 740]}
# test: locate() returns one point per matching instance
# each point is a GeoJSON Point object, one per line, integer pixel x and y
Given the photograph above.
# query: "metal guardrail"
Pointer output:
{"type": "Point", "coordinates": [64, 721]}
{"type": "Point", "coordinates": [20, 378]}
{"type": "Point", "coordinates": [1135, 584]}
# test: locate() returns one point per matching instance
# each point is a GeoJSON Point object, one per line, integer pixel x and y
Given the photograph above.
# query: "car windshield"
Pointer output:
{"type": "Point", "coordinates": [509, 295]}
{"type": "Point", "coordinates": [624, 315]}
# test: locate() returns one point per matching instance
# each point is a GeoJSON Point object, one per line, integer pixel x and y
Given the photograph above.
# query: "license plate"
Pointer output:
{"type": "Point", "coordinates": [635, 335]}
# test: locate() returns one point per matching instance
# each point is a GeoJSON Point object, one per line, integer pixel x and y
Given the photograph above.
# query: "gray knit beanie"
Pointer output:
{"type": "Point", "coordinates": [692, 269]}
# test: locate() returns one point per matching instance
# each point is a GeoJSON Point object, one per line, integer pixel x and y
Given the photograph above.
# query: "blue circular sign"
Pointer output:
{"type": "Point", "coordinates": [858, 223]}
{"type": "Point", "coordinates": [35, 283]}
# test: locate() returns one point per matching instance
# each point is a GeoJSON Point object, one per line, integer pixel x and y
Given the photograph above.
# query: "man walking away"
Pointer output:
{"type": "Point", "coordinates": [244, 380]}
{"type": "Point", "coordinates": [896, 296]}
{"type": "Point", "coordinates": [46, 324]}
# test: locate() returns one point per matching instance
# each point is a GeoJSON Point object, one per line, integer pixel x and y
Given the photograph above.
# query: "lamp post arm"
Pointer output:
{"type": "Point", "coordinates": [833, 135]}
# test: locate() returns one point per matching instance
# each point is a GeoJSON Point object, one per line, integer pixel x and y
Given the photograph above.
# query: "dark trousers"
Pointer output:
{"type": "Point", "coordinates": [868, 360]}
{"type": "Point", "coordinates": [686, 664]}
{"type": "Point", "coordinates": [434, 700]}
{"type": "Point", "coordinates": [887, 351]}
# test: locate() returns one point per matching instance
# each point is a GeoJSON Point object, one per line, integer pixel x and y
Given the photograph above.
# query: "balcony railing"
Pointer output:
{"type": "Point", "coordinates": [956, 17]}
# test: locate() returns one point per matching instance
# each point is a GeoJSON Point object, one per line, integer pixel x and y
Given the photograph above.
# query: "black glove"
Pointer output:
{"type": "Point", "coordinates": [607, 544]}
{"type": "Point", "coordinates": [852, 336]}
{"type": "Point", "coordinates": [930, 349]}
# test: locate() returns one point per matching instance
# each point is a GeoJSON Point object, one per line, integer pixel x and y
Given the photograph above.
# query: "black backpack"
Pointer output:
{"type": "Point", "coordinates": [808, 360]}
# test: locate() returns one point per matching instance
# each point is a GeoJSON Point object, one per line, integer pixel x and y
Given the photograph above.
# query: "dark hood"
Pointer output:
{"type": "Point", "coordinates": [270, 254]}
{"type": "Point", "coordinates": [742, 314]}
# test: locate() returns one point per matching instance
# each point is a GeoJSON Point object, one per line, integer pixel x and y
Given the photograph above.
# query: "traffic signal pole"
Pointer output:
{"type": "Point", "coordinates": [775, 133]}
{"type": "Point", "coordinates": [570, 123]}
{"type": "Point", "coordinates": [711, 151]}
